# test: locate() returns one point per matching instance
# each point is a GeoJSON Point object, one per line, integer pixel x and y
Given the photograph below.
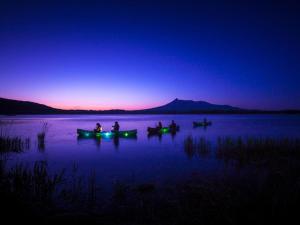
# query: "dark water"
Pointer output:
{"type": "Point", "coordinates": [142, 159]}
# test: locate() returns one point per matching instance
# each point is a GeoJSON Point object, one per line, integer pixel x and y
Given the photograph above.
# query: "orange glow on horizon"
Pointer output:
{"type": "Point", "coordinates": [97, 107]}
{"type": "Point", "coordinates": [68, 104]}
{"type": "Point", "coordinates": [103, 104]}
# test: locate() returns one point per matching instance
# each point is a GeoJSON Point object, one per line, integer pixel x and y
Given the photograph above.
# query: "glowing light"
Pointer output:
{"type": "Point", "coordinates": [165, 130]}
{"type": "Point", "coordinates": [107, 134]}
{"type": "Point", "coordinates": [126, 134]}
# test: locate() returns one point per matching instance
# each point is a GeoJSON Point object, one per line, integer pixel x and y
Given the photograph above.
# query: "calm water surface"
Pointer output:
{"type": "Point", "coordinates": [158, 160]}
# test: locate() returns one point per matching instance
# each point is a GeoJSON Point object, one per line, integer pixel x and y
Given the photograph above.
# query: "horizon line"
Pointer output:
{"type": "Point", "coordinates": [139, 109]}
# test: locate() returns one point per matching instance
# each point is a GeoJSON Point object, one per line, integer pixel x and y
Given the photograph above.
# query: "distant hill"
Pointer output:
{"type": "Point", "coordinates": [9, 106]}
{"type": "Point", "coordinates": [14, 107]}
{"type": "Point", "coordinates": [189, 106]}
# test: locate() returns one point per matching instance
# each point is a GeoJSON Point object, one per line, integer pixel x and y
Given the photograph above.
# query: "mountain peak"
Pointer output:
{"type": "Point", "coordinates": [182, 101]}
{"type": "Point", "coordinates": [178, 105]}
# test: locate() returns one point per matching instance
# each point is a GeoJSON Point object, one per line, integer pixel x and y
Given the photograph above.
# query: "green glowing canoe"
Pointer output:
{"type": "Point", "coordinates": [107, 134]}
{"type": "Point", "coordinates": [163, 130]}
{"type": "Point", "coordinates": [201, 124]}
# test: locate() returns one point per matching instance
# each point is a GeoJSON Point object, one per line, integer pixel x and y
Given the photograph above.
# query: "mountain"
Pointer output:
{"type": "Point", "coordinates": [15, 107]}
{"type": "Point", "coordinates": [9, 106]}
{"type": "Point", "coordinates": [189, 106]}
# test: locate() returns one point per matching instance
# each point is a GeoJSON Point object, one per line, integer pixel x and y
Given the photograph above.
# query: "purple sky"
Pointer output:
{"type": "Point", "coordinates": [133, 55]}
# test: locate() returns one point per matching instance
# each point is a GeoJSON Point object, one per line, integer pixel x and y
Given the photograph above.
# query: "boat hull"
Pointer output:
{"type": "Point", "coordinates": [164, 130]}
{"type": "Point", "coordinates": [107, 134]}
{"type": "Point", "coordinates": [201, 124]}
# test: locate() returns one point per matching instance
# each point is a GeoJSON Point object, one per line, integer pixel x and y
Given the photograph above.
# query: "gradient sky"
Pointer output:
{"type": "Point", "coordinates": [140, 54]}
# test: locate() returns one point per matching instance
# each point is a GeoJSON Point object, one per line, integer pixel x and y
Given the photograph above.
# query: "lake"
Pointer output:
{"type": "Point", "coordinates": [144, 159]}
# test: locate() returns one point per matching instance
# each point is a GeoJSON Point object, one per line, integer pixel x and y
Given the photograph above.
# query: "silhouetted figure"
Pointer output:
{"type": "Point", "coordinates": [159, 125]}
{"type": "Point", "coordinates": [116, 127]}
{"type": "Point", "coordinates": [98, 128]}
{"type": "Point", "coordinates": [173, 125]}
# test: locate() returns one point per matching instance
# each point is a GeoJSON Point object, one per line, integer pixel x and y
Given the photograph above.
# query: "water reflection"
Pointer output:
{"type": "Point", "coordinates": [160, 135]}
{"type": "Point", "coordinates": [116, 141]}
{"type": "Point", "coordinates": [98, 140]}
{"type": "Point", "coordinates": [200, 128]}
{"type": "Point", "coordinates": [154, 135]}
{"type": "Point", "coordinates": [173, 134]}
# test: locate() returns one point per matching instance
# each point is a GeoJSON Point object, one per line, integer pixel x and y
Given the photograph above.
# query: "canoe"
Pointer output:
{"type": "Point", "coordinates": [201, 124]}
{"type": "Point", "coordinates": [164, 130]}
{"type": "Point", "coordinates": [107, 134]}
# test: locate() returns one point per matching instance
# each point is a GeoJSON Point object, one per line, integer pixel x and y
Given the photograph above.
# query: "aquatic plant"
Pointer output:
{"type": "Point", "coordinates": [196, 147]}
{"type": "Point", "coordinates": [41, 136]}
{"type": "Point", "coordinates": [42, 184]}
{"type": "Point", "coordinates": [264, 194]}
{"type": "Point", "coordinates": [10, 143]}
{"type": "Point", "coordinates": [253, 149]}
{"type": "Point", "coordinates": [145, 188]}
{"type": "Point", "coordinates": [13, 144]}
{"type": "Point", "coordinates": [92, 190]}
{"type": "Point", "coordinates": [120, 191]}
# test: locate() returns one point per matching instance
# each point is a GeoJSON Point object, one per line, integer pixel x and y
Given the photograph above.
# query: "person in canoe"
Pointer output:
{"type": "Point", "coordinates": [159, 125]}
{"type": "Point", "coordinates": [98, 128]}
{"type": "Point", "coordinates": [206, 122]}
{"type": "Point", "coordinates": [116, 127]}
{"type": "Point", "coordinates": [173, 125]}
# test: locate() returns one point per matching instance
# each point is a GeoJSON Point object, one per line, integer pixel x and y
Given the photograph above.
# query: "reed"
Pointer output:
{"type": "Point", "coordinates": [252, 149]}
{"type": "Point", "coordinates": [197, 147]}
{"type": "Point", "coordinates": [41, 136]}
{"type": "Point", "coordinates": [35, 183]}
{"type": "Point", "coordinates": [13, 144]}
{"type": "Point", "coordinates": [268, 194]}
{"type": "Point", "coordinates": [10, 143]}
{"type": "Point", "coordinates": [120, 191]}
{"type": "Point", "coordinates": [92, 190]}
{"type": "Point", "coordinates": [72, 192]}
